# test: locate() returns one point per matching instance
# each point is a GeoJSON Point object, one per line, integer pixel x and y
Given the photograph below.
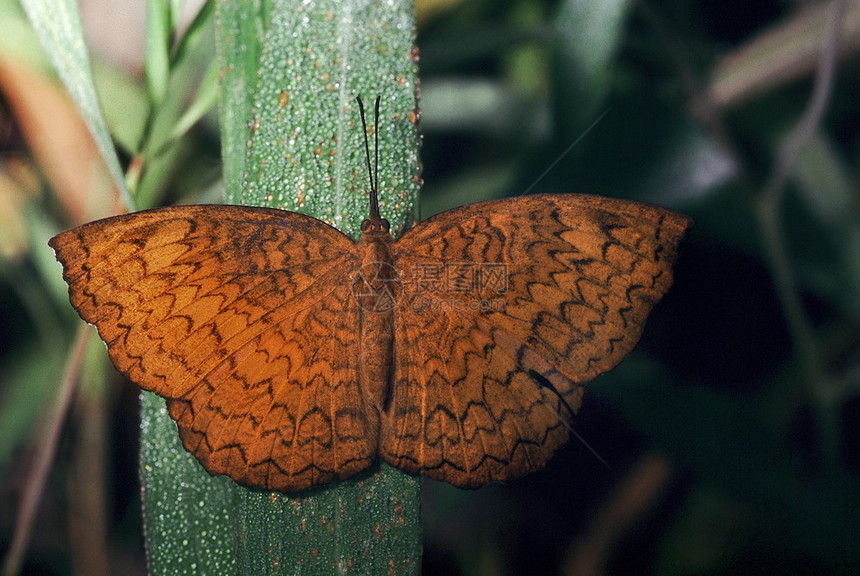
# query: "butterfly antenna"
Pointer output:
{"type": "Point", "coordinates": [376, 144]}
{"type": "Point", "coordinates": [549, 386]}
{"type": "Point", "coordinates": [374, 200]}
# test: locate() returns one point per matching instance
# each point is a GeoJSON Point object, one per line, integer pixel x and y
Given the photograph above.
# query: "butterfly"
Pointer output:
{"type": "Point", "coordinates": [291, 356]}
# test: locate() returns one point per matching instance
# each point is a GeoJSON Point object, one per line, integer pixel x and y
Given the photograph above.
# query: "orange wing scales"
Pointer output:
{"type": "Point", "coordinates": [233, 315]}
{"type": "Point", "coordinates": [247, 321]}
{"type": "Point", "coordinates": [467, 411]}
{"type": "Point", "coordinates": [581, 275]}
{"type": "Point", "coordinates": [300, 413]}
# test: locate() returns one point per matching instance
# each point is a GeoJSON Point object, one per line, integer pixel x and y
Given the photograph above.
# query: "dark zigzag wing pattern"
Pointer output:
{"type": "Point", "coordinates": [228, 312]}
{"type": "Point", "coordinates": [464, 409]}
{"type": "Point", "coordinates": [299, 418]}
{"type": "Point", "coordinates": [581, 274]}
{"type": "Point", "coordinates": [243, 320]}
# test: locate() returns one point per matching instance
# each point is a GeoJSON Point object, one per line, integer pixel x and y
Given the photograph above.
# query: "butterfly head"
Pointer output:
{"type": "Point", "coordinates": [375, 225]}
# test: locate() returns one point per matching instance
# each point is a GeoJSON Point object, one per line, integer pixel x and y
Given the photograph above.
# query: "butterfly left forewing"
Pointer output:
{"type": "Point", "coordinates": [554, 285]}
{"type": "Point", "coordinates": [241, 319]}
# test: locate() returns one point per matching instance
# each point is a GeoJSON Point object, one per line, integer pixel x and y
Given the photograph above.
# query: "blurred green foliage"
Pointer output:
{"type": "Point", "coordinates": [694, 101]}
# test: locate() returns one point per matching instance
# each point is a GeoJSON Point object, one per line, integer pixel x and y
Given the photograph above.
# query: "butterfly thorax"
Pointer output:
{"type": "Point", "coordinates": [376, 287]}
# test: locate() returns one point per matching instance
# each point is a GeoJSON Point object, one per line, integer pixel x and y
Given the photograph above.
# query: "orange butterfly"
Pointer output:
{"type": "Point", "coordinates": [291, 355]}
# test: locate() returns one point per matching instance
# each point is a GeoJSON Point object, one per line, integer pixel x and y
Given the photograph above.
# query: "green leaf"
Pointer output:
{"type": "Point", "coordinates": [196, 31]}
{"type": "Point", "coordinates": [157, 60]}
{"type": "Point", "coordinates": [588, 34]}
{"type": "Point", "coordinates": [785, 51]}
{"type": "Point", "coordinates": [162, 149]}
{"type": "Point", "coordinates": [240, 29]}
{"type": "Point", "coordinates": [125, 105]}
{"type": "Point", "coordinates": [826, 187]}
{"type": "Point", "coordinates": [188, 515]}
{"type": "Point", "coordinates": [29, 385]}
{"type": "Point", "coordinates": [306, 147]}
{"type": "Point", "coordinates": [204, 100]}
{"type": "Point", "coordinates": [175, 7]}
{"type": "Point", "coordinates": [289, 81]}
{"type": "Point", "coordinates": [59, 29]}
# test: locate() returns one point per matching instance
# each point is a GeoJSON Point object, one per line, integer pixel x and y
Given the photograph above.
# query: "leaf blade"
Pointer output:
{"type": "Point", "coordinates": [58, 26]}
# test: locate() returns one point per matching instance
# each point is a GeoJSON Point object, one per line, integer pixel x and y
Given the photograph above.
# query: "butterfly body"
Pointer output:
{"type": "Point", "coordinates": [290, 355]}
{"type": "Point", "coordinates": [375, 285]}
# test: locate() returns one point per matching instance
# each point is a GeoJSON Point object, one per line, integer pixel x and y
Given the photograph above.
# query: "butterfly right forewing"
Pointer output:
{"type": "Point", "coordinates": [581, 273]}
